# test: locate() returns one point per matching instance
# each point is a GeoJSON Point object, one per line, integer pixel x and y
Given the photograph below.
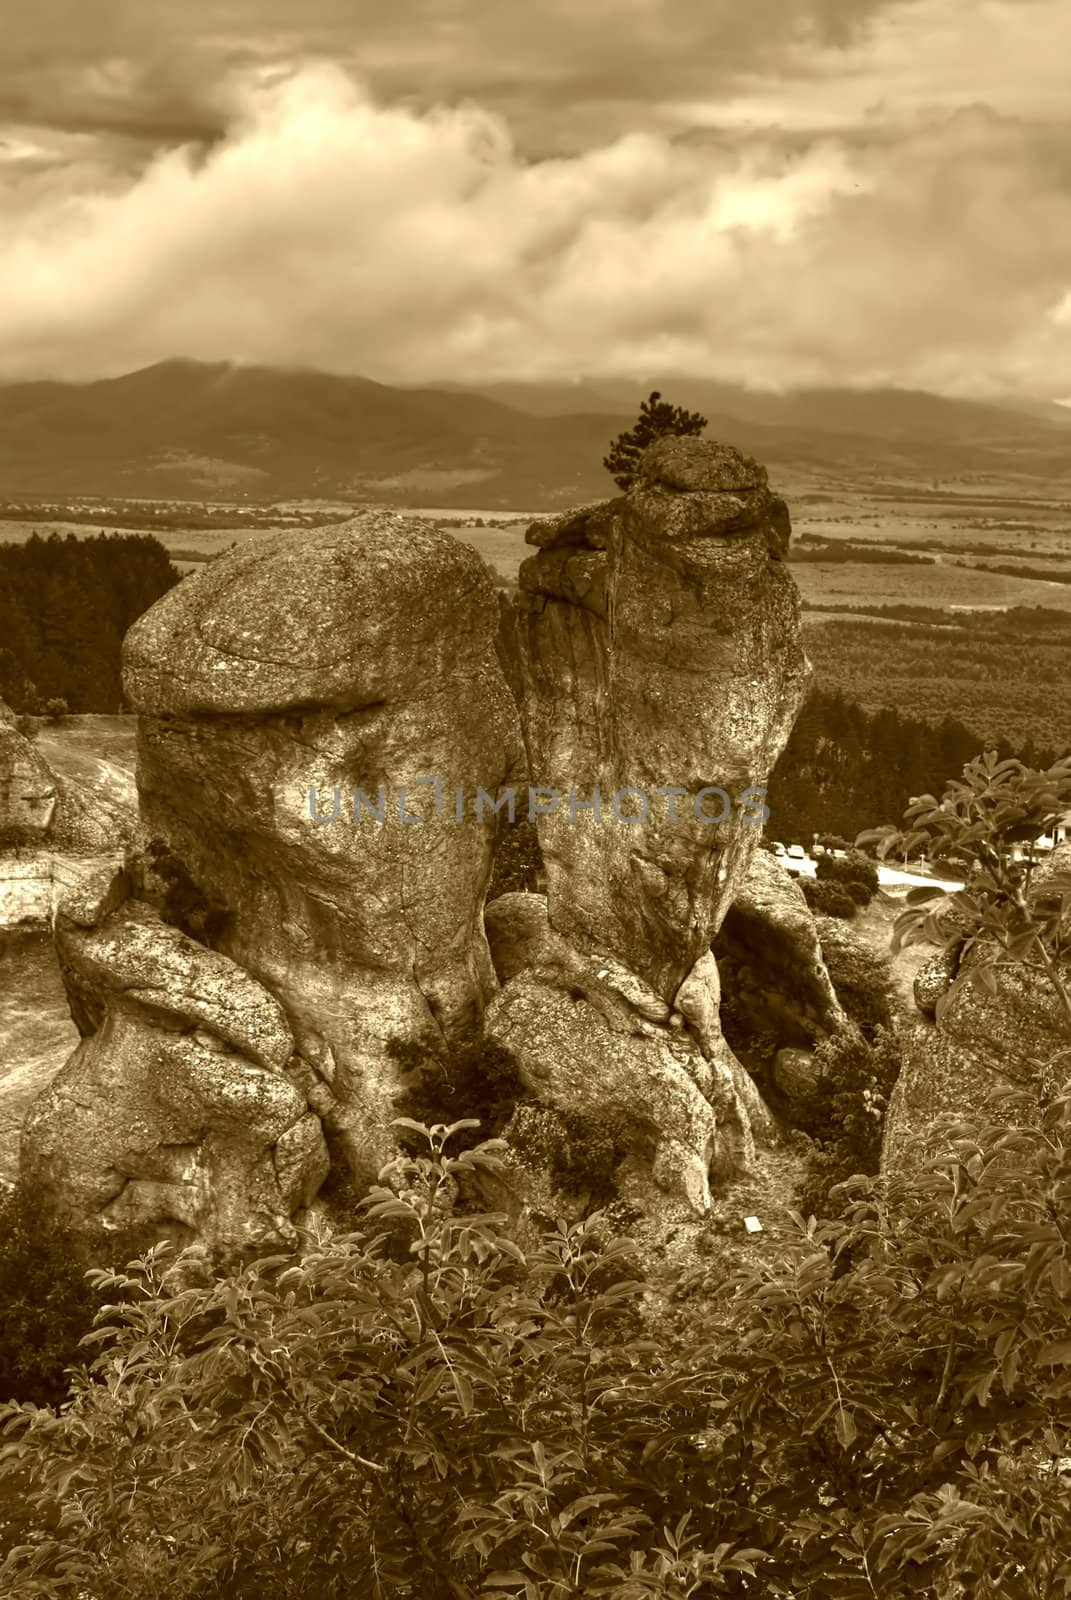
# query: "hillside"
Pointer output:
{"type": "Point", "coordinates": [184, 429]}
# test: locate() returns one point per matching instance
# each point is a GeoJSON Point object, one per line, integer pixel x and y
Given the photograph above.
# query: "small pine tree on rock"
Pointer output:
{"type": "Point", "coordinates": [657, 419]}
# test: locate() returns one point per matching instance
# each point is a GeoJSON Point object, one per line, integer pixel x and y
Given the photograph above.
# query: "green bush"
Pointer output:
{"type": "Point", "coordinates": [518, 864]}
{"type": "Point", "coordinates": [830, 899]}
{"type": "Point", "coordinates": [855, 874]}
{"type": "Point", "coordinates": [579, 1150]}
{"type": "Point", "coordinates": [984, 826]}
{"type": "Point", "coordinates": [47, 1303]}
{"type": "Point", "coordinates": [184, 905]}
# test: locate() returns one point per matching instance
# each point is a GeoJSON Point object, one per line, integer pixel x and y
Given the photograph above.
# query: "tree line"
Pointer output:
{"type": "Point", "coordinates": [845, 769]}
{"type": "Point", "coordinates": [65, 604]}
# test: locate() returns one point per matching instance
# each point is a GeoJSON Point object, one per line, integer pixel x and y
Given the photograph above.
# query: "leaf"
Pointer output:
{"type": "Point", "coordinates": [924, 892]}
{"type": "Point", "coordinates": [845, 1428]}
{"type": "Point", "coordinates": [1056, 1354]}
{"type": "Point", "coordinates": [985, 978]}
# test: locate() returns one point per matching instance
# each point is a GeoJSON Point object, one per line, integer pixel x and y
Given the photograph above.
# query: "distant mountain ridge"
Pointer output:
{"type": "Point", "coordinates": [192, 430]}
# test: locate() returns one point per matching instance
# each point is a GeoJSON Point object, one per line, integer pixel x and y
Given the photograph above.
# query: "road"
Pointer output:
{"type": "Point", "coordinates": [888, 877]}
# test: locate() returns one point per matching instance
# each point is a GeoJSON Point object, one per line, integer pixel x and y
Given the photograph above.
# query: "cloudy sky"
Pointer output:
{"type": "Point", "coordinates": [776, 192]}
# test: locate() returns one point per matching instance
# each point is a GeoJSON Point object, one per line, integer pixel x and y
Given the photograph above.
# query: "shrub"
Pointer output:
{"type": "Point", "coordinates": [656, 420]}
{"type": "Point", "coordinates": [46, 1303]}
{"type": "Point", "coordinates": [855, 874]}
{"type": "Point", "coordinates": [518, 863]}
{"type": "Point", "coordinates": [879, 1407]}
{"type": "Point", "coordinates": [183, 904]}
{"type": "Point", "coordinates": [56, 708]}
{"type": "Point", "coordinates": [846, 1115]}
{"type": "Point", "coordinates": [1003, 917]}
{"type": "Point", "coordinates": [831, 899]}
{"type": "Point", "coordinates": [580, 1150]}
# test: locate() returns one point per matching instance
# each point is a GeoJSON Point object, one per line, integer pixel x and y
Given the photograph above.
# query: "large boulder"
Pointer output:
{"type": "Point", "coordinates": [175, 1113]}
{"type": "Point", "coordinates": [660, 647]}
{"type": "Point", "coordinates": [292, 696]}
{"type": "Point", "coordinates": [284, 679]}
{"type": "Point", "coordinates": [660, 653]}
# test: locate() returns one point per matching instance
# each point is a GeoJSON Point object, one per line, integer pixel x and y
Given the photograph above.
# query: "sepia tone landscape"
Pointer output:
{"type": "Point", "coordinates": [535, 801]}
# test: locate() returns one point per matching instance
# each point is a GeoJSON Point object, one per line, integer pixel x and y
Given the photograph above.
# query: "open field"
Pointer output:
{"type": "Point", "coordinates": [945, 585]}
{"type": "Point", "coordinates": [1001, 686]}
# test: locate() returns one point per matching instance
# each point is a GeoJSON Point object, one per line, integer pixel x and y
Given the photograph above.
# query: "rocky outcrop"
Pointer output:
{"type": "Point", "coordinates": [318, 720]}
{"type": "Point", "coordinates": [52, 830]}
{"type": "Point", "coordinates": [176, 1109]}
{"type": "Point", "coordinates": [29, 793]}
{"type": "Point", "coordinates": [273, 686]}
{"type": "Point", "coordinates": [661, 661]}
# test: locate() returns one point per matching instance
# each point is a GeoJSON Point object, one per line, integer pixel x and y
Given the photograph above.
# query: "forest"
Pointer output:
{"type": "Point", "coordinates": [1002, 673]}
{"type": "Point", "coordinates": [838, 552]}
{"type": "Point", "coordinates": [65, 604]}
{"type": "Point", "coordinates": [845, 769]}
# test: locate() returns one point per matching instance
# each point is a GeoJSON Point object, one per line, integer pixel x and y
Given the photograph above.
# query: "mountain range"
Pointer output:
{"type": "Point", "coordinates": [203, 431]}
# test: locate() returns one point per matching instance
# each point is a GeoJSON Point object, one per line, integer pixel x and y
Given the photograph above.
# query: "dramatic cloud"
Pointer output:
{"type": "Point", "coordinates": [792, 228]}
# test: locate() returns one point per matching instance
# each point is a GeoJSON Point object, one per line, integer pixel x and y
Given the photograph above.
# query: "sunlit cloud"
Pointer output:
{"type": "Point", "coordinates": [861, 218]}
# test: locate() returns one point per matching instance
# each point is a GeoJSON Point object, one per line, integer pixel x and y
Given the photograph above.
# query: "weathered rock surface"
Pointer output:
{"type": "Point", "coordinates": [29, 793]}
{"type": "Point", "coordinates": [769, 942]}
{"type": "Point", "coordinates": [660, 646]}
{"type": "Point", "coordinates": [176, 1109]}
{"type": "Point", "coordinates": [270, 687]}
{"type": "Point", "coordinates": [934, 978]}
{"type": "Point", "coordinates": [50, 826]}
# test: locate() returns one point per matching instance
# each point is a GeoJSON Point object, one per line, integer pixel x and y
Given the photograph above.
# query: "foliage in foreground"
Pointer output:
{"type": "Point", "coordinates": [880, 1410]}
{"type": "Point", "coordinates": [1001, 917]}
{"type": "Point", "coordinates": [46, 1303]}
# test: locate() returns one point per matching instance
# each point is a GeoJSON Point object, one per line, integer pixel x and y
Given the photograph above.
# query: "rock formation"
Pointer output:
{"type": "Point", "coordinates": [358, 658]}
{"type": "Point", "coordinates": [317, 719]}
{"type": "Point", "coordinates": [52, 829]}
{"type": "Point", "coordinates": [661, 661]}
{"type": "Point", "coordinates": [28, 790]}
